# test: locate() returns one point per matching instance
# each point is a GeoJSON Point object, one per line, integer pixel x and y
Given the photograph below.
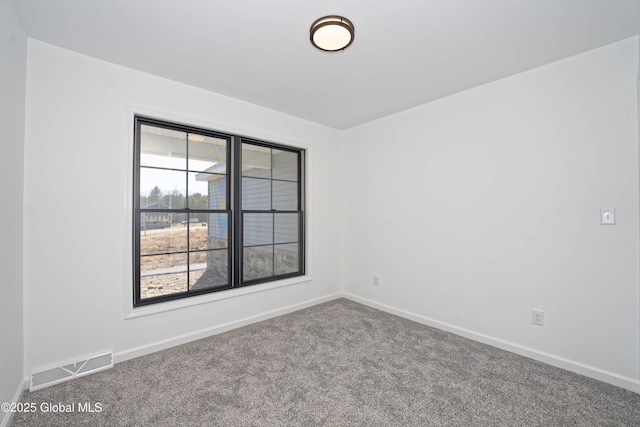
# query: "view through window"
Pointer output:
{"type": "Point", "coordinates": [213, 211]}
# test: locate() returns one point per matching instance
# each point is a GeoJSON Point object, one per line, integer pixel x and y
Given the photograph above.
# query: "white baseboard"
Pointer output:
{"type": "Point", "coordinates": [550, 359]}
{"type": "Point", "coordinates": [8, 416]}
{"type": "Point", "coordinates": [204, 333]}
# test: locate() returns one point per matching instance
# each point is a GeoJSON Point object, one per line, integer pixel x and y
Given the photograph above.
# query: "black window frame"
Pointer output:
{"type": "Point", "coordinates": [234, 209]}
{"type": "Point", "coordinates": [239, 224]}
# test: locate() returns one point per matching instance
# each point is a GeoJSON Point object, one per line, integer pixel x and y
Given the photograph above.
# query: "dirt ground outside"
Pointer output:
{"type": "Point", "coordinates": [206, 269]}
{"type": "Point", "coordinates": [175, 240]}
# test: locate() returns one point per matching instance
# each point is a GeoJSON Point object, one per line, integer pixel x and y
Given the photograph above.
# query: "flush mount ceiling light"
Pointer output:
{"type": "Point", "coordinates": [332, 33]}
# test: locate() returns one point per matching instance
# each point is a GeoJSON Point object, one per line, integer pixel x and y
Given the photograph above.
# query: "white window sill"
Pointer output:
{"type": "Point", "coordinates": [133, 312]}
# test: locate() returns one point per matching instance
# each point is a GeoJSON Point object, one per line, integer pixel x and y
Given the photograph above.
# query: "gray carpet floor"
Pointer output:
{"type": "Point", "coordinates": [336, 364]}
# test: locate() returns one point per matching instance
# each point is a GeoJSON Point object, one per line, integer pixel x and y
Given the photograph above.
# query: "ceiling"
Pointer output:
{"type": "Point", "coordinates": [405, 53]}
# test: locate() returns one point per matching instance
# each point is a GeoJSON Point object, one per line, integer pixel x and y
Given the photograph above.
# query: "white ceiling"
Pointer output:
{"type": "Point", "coordinates": [405, 53]}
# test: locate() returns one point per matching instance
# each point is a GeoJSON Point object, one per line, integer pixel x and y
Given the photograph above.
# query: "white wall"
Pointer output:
{"type": "Point", "coordinates": [479, 207]}
{"type": "Point", "coordinates": [13, 64]}
{"type": "Point", "coordinates": [75, 219]}
{"type": "Point", "coordinates": [473, 210]}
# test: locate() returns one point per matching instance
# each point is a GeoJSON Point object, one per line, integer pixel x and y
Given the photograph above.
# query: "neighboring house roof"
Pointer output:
{"type": "Point", "coordinates": [157, 206]}
{"type": "Point", "coordinates": [206, 175]}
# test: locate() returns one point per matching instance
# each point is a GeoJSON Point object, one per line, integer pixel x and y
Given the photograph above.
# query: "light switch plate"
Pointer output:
{"type": "Point", "coordinates": [608, 216]}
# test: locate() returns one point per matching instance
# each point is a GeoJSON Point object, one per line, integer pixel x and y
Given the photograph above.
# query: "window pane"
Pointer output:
{"type": "Point", "coordinates": [194, 220]}
{"type": "Point", "coordinates": [154, 221]}
{"type": "Point", "coordinates": [258, 262]}
{"type": "Point", "coordinates": [178, 219]}
{"type": "Point", "coordinates": [207, 154]}
{"type": "Point", "coordinates": [197, 235]}
{"type": "Point", "coordinates": [287, 259]}
{"type": "Point", "coordinates": [163, 148]}
{"type": "Point", "coordinates": [197, 261]}
{"type": "Point", "coordinates": [218, 230]}
{"type": "Point", "coordinates": [258, 229]}
{"type": "Point", "coordinates": [286, 228]}
{"type": "Point", "coordinates": [163, 284]}
{"type": "Point", "coordinates": [157, 237]}
{"type": "Point", "coordinates": [208, 235]}
{"type": "Point", "coordinates": [256, 194]}
{"type": "Point", "coordinates": [285, 196]}
{"type": "Point", "coordinates": [162, 189]}
{"type": "Point", "coordinates": [207, 191]}
{"type": "Point", "coordinates": [160, 264]}
{"type": "Point", "coordinates": [214, 271]}
{"type": "Point", "coordinates": [163, 275]}
{"type": "Point", "coordinates": [256, 161]}
{"type": "Point", "coordinates": [285, 165]}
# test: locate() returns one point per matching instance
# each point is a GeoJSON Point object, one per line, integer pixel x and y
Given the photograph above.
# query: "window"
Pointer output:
{"type": "Point", "coordinates": [213, 211]}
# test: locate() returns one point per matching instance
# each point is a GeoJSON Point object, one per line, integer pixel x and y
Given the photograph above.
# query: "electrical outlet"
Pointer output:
{"type": "Point", "coordinates": [376, 280]}
{"type": "Point", "coordinates": [537, 317]}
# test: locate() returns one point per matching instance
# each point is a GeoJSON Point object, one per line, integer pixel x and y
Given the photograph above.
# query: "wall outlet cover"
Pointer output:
{"type": "Point", "coordinates": [537, 317]}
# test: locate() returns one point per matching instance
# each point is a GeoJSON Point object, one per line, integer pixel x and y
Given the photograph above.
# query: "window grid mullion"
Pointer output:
{"type": "Point", "coordinates": [273, 223]}
{"type": "Point", "coordinates": [188, 171]}
{"type": "Point", "coordinates": [188, 225]}
{"type": "Point", "coordinates": [237, 213]}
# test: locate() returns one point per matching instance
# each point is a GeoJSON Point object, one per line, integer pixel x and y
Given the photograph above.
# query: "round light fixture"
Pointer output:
{"type": "Point", "coordinates": [332, 33]}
